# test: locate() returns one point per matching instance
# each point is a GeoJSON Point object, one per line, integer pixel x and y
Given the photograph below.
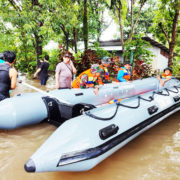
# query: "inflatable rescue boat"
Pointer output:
{"type": "Point", "coordinates": [59, 105]}
{"type": "Point", "coordinates": [82, 142]}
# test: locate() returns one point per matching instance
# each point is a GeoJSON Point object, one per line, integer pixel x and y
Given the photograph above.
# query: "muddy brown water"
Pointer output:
{"type": "Point", "coordinates": [154, 155]}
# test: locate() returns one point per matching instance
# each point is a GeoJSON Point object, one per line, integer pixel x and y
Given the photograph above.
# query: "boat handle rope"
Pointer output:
{"type": "Point", "coordinates": [101, 118]}
{"type": "Point", "coordinates": [151, 98]}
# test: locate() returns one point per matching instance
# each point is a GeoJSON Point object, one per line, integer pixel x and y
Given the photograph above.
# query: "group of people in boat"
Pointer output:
{"type": "Point", "coordinates": [64, 74]}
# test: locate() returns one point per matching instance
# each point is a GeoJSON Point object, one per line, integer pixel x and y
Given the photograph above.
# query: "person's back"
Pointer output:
{"type": "Point", "coordinates": [42, 71]}
{"type": "Point", "coordinates": [8, 75]}
{"type": "Point", "coordinates": [5, 82]}
{"type": "Point", "coordinates": [104, 66]}
{"type": "Point", "coordinates": [43, 74]}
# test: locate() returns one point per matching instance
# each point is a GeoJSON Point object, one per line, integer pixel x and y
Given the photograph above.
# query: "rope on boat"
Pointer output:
{"type": "Point", "coordinates": [151, 98]}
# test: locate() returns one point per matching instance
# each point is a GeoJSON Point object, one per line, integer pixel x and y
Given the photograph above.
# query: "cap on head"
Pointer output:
{"type": "Point", "coordinates": [67, 55]}
{"type": "Point", "coordinates": [95, 68]}
{"type": "Point", "coordinates": [168, 68]}
{"type": "Point", "coordinates": [106, 60]}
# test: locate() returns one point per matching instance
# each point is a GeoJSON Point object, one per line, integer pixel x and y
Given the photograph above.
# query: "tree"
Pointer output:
{"type": "Point", "coordinates": [121, 10]}
{"type": "Point", "coordinates": [166, 24]}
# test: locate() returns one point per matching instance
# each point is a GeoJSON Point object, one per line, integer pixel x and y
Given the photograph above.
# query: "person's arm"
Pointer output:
{"type": "Point", "coordinates": [162, 81]}
{"type": "Point", "coordinates": [36, 73]}
{"type": "Point", "coordinates": [57, 75]}
{"type": "Point", "coordinates": [120, 76]}
{"type": "Point", "coordinates": [73, 68]}
{"type": "Point", "coordinates": [96, 86]}
{"type": "Point", "coordinates": [13, 77]}
{"type": "Point", "coordinates": [83, 80]}
{"type": "Point", "coordinates": [57, 79]}
{"type": "Point", "coordinates": [159, 77]}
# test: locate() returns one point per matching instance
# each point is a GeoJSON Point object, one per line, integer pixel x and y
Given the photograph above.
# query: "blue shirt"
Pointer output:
{"type": "Point", "coordinates": [121, 74]}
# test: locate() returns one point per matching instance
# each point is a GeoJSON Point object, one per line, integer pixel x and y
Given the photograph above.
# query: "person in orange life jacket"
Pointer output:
{"type": "Point", "coordinates": [166, 76]}
{"type": "Point", "coordinates": [8, 75]}
{"type": "Point", "coordinates": [89, 79]}
{"type": "Point", "coordinates": [124, 72]}
{"type": "Point", "coordinates": [105, 63]}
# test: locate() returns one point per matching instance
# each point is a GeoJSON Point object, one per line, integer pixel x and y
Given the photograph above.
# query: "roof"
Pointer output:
{"type": "Point", "coordinates": [116, 44]}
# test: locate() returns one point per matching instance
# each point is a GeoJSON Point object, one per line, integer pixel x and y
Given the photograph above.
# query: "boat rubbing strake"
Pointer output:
{"type": "Point", "coordinates": [60, 105]}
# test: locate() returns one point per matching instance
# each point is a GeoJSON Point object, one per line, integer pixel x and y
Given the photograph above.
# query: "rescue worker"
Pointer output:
{"type": "Point", "coordinates": [166, 76]}
{"type": "Point", "coordinates": [8, 75]}
{"type": "Point", "coordinates": [105, 63]}
{"type": "Point", "coordinates": [124, 73]}
{"type": "Point", "coordinates": [89, 79]}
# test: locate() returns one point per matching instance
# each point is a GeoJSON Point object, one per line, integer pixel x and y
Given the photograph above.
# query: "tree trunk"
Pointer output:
{"type": "Point", "coordinates": [137, 18]}
{"type": "Point", "coordinates": [85, 26]}
{"type": "Point", "coordinates": [132, 2]}
{"type": "Point", "coordinates": [66, 36]}
{"type": "Point", "coordinates": [172, 43]}
{"type": "Point", "coordinates": [38, 47]}
{"type": "Point", "coordinates": [75, 39]}
{"type": "Point", "coordinates": [121, 27]}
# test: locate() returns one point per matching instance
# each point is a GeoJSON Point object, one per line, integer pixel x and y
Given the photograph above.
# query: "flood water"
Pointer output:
{"type": "Point", "coordinates": [154, 155]}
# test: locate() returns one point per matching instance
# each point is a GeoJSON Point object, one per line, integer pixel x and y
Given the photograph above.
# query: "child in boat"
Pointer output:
{"type": "Point", "coordinates": [166, 76]}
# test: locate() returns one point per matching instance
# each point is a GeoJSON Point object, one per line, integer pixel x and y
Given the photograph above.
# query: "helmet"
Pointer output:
{"type": "Point", "coordinates": [168, 68]}
{"type": "Point", "coordinates": [95, 68]}
{"type": "Point", "coordinates": [106, 60]}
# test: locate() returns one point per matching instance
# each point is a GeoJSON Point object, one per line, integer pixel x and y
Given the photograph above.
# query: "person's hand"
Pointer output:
{"type": "Point", "coordinates": [96, 90]}
{"type": "Point", "coordinates": [57, 86]}
{"type": "Point", "coordinates": [158, 77]}
{"type": "Point", "coordinates": [162, 83]}
{"type": "Point", "coordinates": [71, 63]}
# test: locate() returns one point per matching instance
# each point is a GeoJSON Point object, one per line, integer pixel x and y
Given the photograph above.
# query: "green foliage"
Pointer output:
{"type": "Point", "coordinates": [101, 52]}
{"type": "Point", "coordinates": [85, 60]}
{"type": "Point", "coordinates": [164, 15]}
{"type": "Point", "coordinates": [142, 57]}
{"type": "Point", "coordinates": [139, 48]}
{"type": "Point", "coordinates": [32, 26]}
{"type": "Point", "coordinates": [54, 59]}
{"type": "Point", "coordinates": [176, 67]}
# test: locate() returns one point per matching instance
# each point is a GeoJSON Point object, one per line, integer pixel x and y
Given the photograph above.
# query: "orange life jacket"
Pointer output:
{"type": "Point", "coordinates": [89, 83]}
{"type": "Point", "coordinates": [164, 76]}
{"type": "Point", "coordinates": [106, 73]}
